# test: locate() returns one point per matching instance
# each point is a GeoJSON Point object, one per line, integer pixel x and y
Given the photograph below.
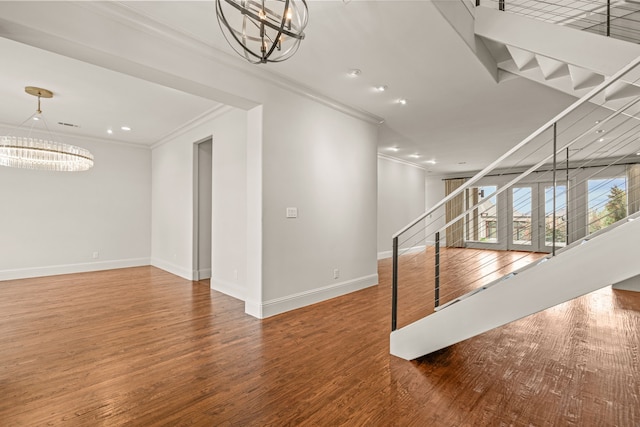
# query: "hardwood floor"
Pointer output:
{"type": "Point", "coordinates": [461, 271]}
{"type": "Point", "coordinates": [142, 347]}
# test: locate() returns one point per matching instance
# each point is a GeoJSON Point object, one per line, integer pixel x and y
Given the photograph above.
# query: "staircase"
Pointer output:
{"type": "Point", "coordinates": [529, 48]}
{"type": "Point", "coordinates": [593, 140]}
{"type": "Point", "coordinates": [600, 261]}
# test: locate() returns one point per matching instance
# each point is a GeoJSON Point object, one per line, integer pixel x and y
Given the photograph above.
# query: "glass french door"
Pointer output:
{"type": "Point", "coordinates": [531, 217]}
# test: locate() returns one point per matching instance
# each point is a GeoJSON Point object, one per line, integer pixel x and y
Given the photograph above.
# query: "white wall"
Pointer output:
{"type": "Point", "coordinates": [229, 215]}
{"type": "Point", "coordinates": [401, 199]}
{"type": "Point", "coordinates": [172, 204]}
{"type": "Point", "coordinates": [53, 222]}
{"type": "Point", "coordinates": [323, 163]}
{"type": "Point", "coordinates": [303, 151]}
{"type": "Point", "coordinates": [172, 197]}
{"type": "Point", "coordinates": [173, 177]}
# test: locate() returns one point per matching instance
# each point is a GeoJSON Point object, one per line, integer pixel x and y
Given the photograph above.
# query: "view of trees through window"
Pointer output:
{"type": "Point", "coordinates": [521, 211]}
{"type": "Point", "coordinates": [607, 202]}
{"type": "Point", "coordinates": [560, 217]}
{"type": "Point", "coordinates": [481, 225]}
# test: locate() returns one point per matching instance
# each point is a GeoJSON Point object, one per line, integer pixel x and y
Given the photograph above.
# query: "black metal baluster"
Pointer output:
{"type": "Point", "coordinates": [608, 18]}
{"type": "Point", "coordinates": [437, 282]}
{"type": "Point", "coordinates": [566, 220]}
{"type": "Point", "coordinates": [394, 285]}
{"type": "Point", "coordinates": [555, 155]}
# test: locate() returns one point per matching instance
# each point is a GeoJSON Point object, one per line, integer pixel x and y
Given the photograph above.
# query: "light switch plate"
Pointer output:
{"type": "Point", "coordinates": [292, 212]}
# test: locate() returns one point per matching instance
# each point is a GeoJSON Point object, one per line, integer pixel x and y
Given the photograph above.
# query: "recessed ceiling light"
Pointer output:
{"type": "Point", "coordinates": [431, 162]}
{"type": "Point", "coordinates": [638, 154]}
{"type": "Point", "coordinates": [354, 72]}
{"type": "Point", "coordinates": [402, 101]}
{"type": "Point", "coordinates": [109, 131]}
{"type": "Point", "coordinates": [393, 149]}
{"type": "Point", "coordinates": [125, 128]}
{"type": "Point", "coordinates": [597, 122]}
{"type": "Point", "coordinates": [414, 156]}
{"type": "Point", "coordinates": [601, 140]}
{"type": "Point", "coordinates": [381, 88]}
{"type": "Point", "coordinates": [36, 118]}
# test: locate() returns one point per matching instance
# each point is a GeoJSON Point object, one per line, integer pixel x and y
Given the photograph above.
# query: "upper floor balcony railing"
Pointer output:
{"type": "Point", "coordinates": [617, 19]}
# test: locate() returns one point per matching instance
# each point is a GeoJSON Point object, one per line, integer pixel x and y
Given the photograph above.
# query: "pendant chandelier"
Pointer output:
{"type": "Point", "coordinates": [42, 154]}
{"type": "Point", "coordinates": [263, 31]}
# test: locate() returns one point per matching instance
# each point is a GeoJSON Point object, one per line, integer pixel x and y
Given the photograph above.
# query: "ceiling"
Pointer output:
{"type": "Point", "coordinates": [93, 98]}
{"type": "Point", "coordinates": [456, 114]}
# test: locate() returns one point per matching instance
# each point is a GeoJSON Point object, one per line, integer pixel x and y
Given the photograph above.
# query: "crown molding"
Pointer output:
{"type": "Point", "coordinates": [203, 118]}
{"type": "Point", "coordinates": [396, 160]}
{"type": "Point", "coordinates": [134, 19]}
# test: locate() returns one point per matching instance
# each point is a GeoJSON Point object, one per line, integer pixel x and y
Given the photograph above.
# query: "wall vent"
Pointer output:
{"type": "Point", "coordinates": [68, 124]}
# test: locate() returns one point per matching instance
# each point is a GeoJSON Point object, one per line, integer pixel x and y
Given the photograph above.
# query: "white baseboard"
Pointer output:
{"type": "Point", "coordinates": [253, 308]}
{"type": "Point", "coordinates": [389, 254]}
{"type": "Point", "coordinates": [202, 274]}
{"type": "Point", "coordinates": [53, 270]}
{"type": "Point", "coordinates": [228, 288]}
{"type": "Point", "coordinates": [173, 268]}
{"type": "Point", "coordinates": [313, 296]}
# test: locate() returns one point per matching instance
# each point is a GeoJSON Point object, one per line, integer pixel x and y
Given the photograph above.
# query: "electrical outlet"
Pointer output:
{"type": "Point", "coordinates": [95, 255]}
{"type": "Point", "coordinates": [336, 273]}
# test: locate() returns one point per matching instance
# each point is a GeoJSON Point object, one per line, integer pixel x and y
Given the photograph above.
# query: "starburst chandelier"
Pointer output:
{"type": "Point", "coordinates": [263, 31]}
{"type": "Point", "coordinates": [43, 154]}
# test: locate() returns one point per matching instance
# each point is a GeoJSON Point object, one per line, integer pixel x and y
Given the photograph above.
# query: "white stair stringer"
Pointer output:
{"type": "Point", "coordinates": [567, 78]}
{"type": "Point", "coordinates": [564, 83]}
{"type": "Point", "coordinates": [606, 259]}
{"type": "Point", "coordinates": [566, 59]}
{"type": "Point", "coordinates": [593, 52]}
{"type": "Point", "coordinates": [571, 79]}
{"type": "Point", "coordinates": [578, 82]}
{"type": "Point", "coordinates": [584, 79]}
{"type": "Point", "coordinates": [523, 59]}
{"type": "Point", "coordinates": [551, 68]}
{"type": "Point", "coordinates": [621, 90]}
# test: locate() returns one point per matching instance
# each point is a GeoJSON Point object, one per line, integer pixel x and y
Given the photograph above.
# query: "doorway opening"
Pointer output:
{"type": "Point", "coordinates": [202, 197]}
{"type": "Point", "coordinates": [531, 223]}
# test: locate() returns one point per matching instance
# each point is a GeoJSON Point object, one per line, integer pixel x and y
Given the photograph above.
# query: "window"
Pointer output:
{"type": "Point", "coordinates": [521, 208]}
{"type": "Point", "coordinates": [492, 231]}
{"type": "Point", "coordinates": [607, 202]}
{"type": "Point", "coordinates": [481, 224]}
{"type": "Point", "coordinates": [560, 216]}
